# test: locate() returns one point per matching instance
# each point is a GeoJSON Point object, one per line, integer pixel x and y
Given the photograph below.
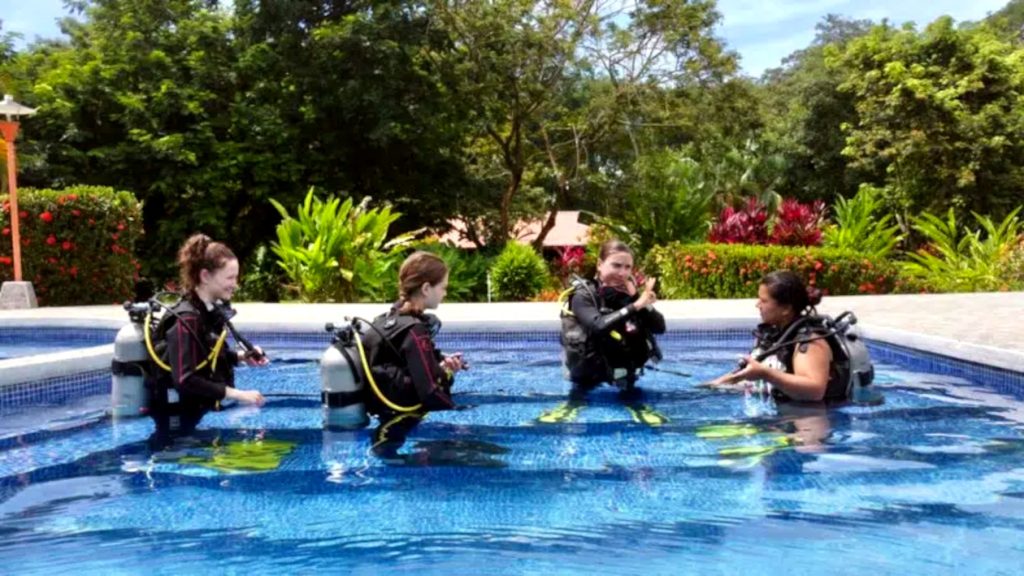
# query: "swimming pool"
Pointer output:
{"type": "Point", "coordinates": [933, 479]}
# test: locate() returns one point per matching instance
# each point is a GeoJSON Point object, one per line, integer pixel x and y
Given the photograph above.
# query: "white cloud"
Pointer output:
{"type": "Point", "coordinates": [764, 32]}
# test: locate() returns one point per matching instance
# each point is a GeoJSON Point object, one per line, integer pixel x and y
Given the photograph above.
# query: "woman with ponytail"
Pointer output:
{"type": "Point", "coordinates": [192, 336]}
{"type": "Point", "coordinates": [801, 366]}
{"type": "Point", "coordinates": [410, 372]}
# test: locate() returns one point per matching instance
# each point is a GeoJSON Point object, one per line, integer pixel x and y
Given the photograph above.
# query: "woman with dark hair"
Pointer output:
{"type": "Point", "coordinates": [608, 329]}
{"type": "Point", "coordinates": [191, 338]}
{"type": "Point", "coordinates": [409, 371]}
{"type": "Point", "coordinates": [802, 356]}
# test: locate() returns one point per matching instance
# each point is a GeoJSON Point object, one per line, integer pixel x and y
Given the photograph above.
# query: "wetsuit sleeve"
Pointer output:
{"type": "Point", "coordinates": [184, 354]}
{"type": "Point", "coordinates": [588, 313]}
{"type": "Point", "coordinates": [421, 358]}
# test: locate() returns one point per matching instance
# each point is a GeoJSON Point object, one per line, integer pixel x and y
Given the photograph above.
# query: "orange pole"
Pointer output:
{"type": "Point", "coordinates": [10, 132]}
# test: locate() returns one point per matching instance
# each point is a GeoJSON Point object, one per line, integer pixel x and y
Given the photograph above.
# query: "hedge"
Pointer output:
{"type": "Point", "coordinates": [77, 244]}
{"type": "Point", "coordinates": [735, 270]}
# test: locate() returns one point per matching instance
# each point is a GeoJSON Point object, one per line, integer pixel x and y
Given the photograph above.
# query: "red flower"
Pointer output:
{"type": "Point", "coordinates": [67, 245]}
{"type": "Point", "coordinates": [72, 196]}
{"type": "Point", "coordinates": [51, 240]}
{"type": "Point", "coordinates": [76, 212]}
{"type": "Point", "coordinates": [46, 217]}
{"type": "Point", "coordinates": [51, 260]}
{"type": "Point", "coordinates": [7, 231]}
{"type": "Point", "coordinates": [92, 222]}
{"type": "Point", "coordinates": [73, 271]}
{"type": "Point", "coordinates": [120, 226]}
{"type": "Point", "coordinates": [22, 214]}
{"type": "Point", "coordinates": [5, 260]}
{"type": "Point", "coordinates": [114, 236]}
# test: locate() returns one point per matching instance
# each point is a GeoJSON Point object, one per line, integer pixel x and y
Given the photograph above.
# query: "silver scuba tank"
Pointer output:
{"type": "Point", "coordinates": [341, 384]}
{"type": "Point", "coordinates": [128, 389]}
{"type": "Point", "coordinates": [862, 371]}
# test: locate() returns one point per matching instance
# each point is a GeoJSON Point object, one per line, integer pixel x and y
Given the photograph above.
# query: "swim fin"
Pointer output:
{"type": "Point", "coordinates": [564, 413]}
{"type": "Point", "coordinates": [644, 414]}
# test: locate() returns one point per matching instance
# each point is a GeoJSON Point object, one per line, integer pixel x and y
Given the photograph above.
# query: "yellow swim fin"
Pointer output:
{"type": "Point", "coordinates": [644, 414]}
{"type": "Point", "coordinates": [564, 413]}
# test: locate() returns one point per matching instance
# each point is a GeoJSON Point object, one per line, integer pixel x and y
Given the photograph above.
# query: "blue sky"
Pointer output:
{"type": "Point", "coordinates": [763, 32]}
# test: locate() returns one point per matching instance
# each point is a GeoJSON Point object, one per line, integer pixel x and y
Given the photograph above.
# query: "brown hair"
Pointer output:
{"type": "Point", "coordinates": [418, 269]}
{"type": "Point", "coordinates": [198, 253]}
{"type": "Point", "coordinates": [788, 289]}
{"type": "Point", "coordinates": [613, 247]}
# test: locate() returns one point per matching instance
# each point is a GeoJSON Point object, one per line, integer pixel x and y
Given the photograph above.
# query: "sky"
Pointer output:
{"type": "Point", "coordinates": [763, 32]}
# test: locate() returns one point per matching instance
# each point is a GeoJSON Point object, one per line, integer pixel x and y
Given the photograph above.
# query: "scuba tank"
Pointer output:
{"type": "Point", "coordinates": [342, 380]}
{"type": "Point", "coordinates": [128, 369]}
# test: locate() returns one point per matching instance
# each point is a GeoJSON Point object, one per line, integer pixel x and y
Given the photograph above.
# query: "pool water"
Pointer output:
{"type": "Point", "coordinates": [932, 479]}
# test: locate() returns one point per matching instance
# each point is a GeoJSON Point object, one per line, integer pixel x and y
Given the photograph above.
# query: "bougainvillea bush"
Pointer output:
{"type": "Point", "coordinates": [77, 244]}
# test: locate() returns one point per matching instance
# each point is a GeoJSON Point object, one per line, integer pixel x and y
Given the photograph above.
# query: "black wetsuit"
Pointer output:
{"type": "Point", "coordinates": [406, 364]}
{"type": "Point", "coordinates": [604, 333]}
{"type": "Point", "coordinates": [188, 334]}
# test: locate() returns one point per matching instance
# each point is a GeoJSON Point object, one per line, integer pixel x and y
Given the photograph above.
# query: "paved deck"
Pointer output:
{"type": "Point", "coordinates": [981, 328]}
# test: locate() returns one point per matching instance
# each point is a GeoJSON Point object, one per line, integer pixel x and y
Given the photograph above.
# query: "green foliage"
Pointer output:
{"type": "Point", "coordinates": [862, 226]}
{"type": "Point", "coordinates": [467, 271]}
{"type": "Point", "coordinates": [669, 200]}
{"type": "Point", "coordinates": [804, 113]}
{"type": "Point", "coordinates": [334, 251]}
{"type": "Point", "coordinates": [261, 278]}
{"type": "Point", "coordinates": [736, 270]}
{"type": "Point", "coordinates": [958, 259]}
{"type": "Point", "coordinates": [77, 244]}
{"type": "Point", "coordinates": [518, 273]}
{"type": "Point", "coordinates": [938, 114]}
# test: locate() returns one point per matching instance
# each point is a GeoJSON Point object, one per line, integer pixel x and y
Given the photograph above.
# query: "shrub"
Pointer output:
{"type": "Point", "coordinates": [334, 251]}
{"type": "Point", "coordinates": [77, 244]}
{"type": "Point", "coordinates": [862, 226]}
{"type": "Point", "coordinates": [518, 273]}
{"type": "Point", "coordinates": [734, 271]}
{"type": "Point", "coordinates": [1012, 269]}
{"type": "Point", "coordinates": [958, 259]}
{"type": "Point", "coordinates": [746, 225]}
{"type": "Point", "coordinates": [261, 278]}
{"type": "Point", "coordinates": [798, 224]}
{"type": "Point", "coordinates": [467, 271]}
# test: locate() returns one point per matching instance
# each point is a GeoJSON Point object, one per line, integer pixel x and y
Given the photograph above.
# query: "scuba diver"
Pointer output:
{"type": "Point", "coordinates": [608, 329]}
{"type": "Point", "coordinates": [409, 374]}
{"type": "Point", "coordinates": [801, 356]}
{"type": "Point", "coordinates": [194, 371]}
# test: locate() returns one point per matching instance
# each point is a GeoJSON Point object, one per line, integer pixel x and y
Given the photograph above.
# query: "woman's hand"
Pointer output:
{"type": "Point", "coordinates": [750, 371]}
{"type": "Point", "coordinates": [454, 363]}
{"type": "Point", "coordinates": [254, 357]}
{"type": "Point", "coordinates": [648, 297]}
{"type": "Point", "coordinates": [245, 396]}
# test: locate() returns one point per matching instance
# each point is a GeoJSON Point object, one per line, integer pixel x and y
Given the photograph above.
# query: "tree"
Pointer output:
{"type": "Point", "coordinates": [552, 80]}
{"type": "Point", "coordinates": [805, 113]}
{"type": "Point", "coordinates": [938, 114]}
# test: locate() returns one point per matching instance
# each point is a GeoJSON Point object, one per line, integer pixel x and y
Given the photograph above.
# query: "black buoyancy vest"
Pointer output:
{"type": "Point", "coordinates": [847, 350]}
{"type": "Point", "coordinates": [633, 347]}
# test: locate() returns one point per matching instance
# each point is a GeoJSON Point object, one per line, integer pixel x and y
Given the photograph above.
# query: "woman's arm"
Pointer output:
{"type": "Point", "coordinates": [588, 313]}
{"type": "Point", "coordinates": [807, 383]}
{"type": "Point", "coordinates": [428, 378]}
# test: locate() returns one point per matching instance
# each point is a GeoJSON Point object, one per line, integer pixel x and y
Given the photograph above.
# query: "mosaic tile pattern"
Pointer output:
{"type": "Point", "coordinates": [83, 336]}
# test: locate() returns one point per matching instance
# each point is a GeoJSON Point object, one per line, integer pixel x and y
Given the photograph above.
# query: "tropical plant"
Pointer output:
{"type": "Point", "coordinates": [668, 200]}
{"type": "Point", "coordinates": [518, 273]}
{"type": "Point", "coordinates": [467, 270]}
{"type": "Point", "coordinates": [78, 244]}
{"type": "Point", "coordinates": [261, 278]}
{"type": "Point", "coordinates": [862, 226]}
{"type": "Point", "coordinates": [798, 224]}
{"type": "Point", "coordinates": [959, 259]}
{"type": "Point", "coordinates": [746, 225]}
{"type": "Point", "coordinates": [334, 251]}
